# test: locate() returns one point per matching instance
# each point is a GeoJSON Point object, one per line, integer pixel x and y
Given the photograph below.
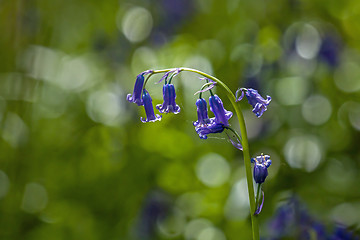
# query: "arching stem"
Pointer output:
{"type": "Point", "coordinates": [244, 140]}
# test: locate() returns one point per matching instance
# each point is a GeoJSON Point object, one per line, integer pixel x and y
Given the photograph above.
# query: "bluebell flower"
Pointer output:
{"type": "Point", "coordinates": [169, 104]}
{"type": "Point", "coordinates": [262, 163]}
{"type": "Point", "coordinates": [205, 125]}
{"type": "Point", "coordinates": [149, 110]}
{"type": "Point", "coordinates": [204, 130]}
{"type": "Point", "coordinates": [202, 113]}
{"type": "Point", "coordinates": [139, 84]}
{"type": "Point", "coordinates": [222, 116]}
{"type": "Point", "coordinates": [258, 103]}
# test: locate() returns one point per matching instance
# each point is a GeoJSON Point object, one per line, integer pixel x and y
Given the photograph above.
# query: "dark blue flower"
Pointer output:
{"type": "Point", "coordinates": [330, 50]}
{"type": "Point", "coordinates": [222, 116]}
{"type": "Point", "coordinates": [139, 84]}
{"type": "Point", "coordinates": [169, 104]}
{"type": "Point", "coordinates": [258, 103]}
{"type": "Point", "coordinates": [262, 163]}
{"type": "Point", "coordinates": [202, 113]}
{"type": "Point", "coordinates": [204, 125]}
{"type": "Point", "coordinates": [149, 110]}
{"type": "Point", "coordinates": [341, 233]}
{"type": "Point", "coordinates": [204, 130]}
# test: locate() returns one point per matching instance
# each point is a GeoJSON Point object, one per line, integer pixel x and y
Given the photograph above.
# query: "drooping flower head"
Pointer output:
{"type": "Point", "coordinates": [202, 113]}
{"type": "Point", "coordinates": [139, 84]}
{"type": "Point", "coordinates": [258, 103]}
{"type": "Point", "coordinates": [205, 125]}
{"type": "Point", "coordinates": [169, 104]}
{"type": "Point", "coordinates": [262, 163]}
{"type": "Point", "coordinates": [149, 109]}
{"type": "Point", "coordinates": [221, 115]}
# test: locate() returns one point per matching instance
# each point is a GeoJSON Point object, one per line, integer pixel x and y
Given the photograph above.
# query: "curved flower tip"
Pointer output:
{"type": "Point", "coordinates": [175, 72]}
{"type": "Point", "coordinates": [149, 110]}
{"type": "Point", "coordinates": [262, 163]}
{"type": "Point", "coordinates": [258, 103]}
{"type": "Point", "coordinates": [169, 104]}
{"type": "Point", "coordinates": [236, 143]}
{"type": "Point", "coordinates": [139, 84]}
{"type": "Point", "coordinates": [221, 114]}
{"type": "Point", "coordinates": [204, 130]}
{"type": "Point", "coordinates": [206, 87]}
{"type": "Point", "coordinates": [237, 97]}
{"type": "Point", "coordinates": [259, 208]}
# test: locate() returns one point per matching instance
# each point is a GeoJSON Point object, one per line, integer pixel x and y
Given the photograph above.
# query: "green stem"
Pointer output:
{"type": "Point", "coordinates": [245, 144]}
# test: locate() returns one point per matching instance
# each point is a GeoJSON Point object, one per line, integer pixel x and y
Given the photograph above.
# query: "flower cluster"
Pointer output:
{"type": "Point", "coordinates": [144, 99]}
{"type": "Point", "coordinates": [203, 126]}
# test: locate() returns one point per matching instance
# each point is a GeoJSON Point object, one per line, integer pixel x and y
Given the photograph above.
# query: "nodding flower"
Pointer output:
{"type": "Point", "coordinates": [202, 113]}
{"type": "Point", "coordinates": [139, 84]}
{"type": "Point", "coordinates": [149, 109]}
{"type": "Point", "coordinates": [169, 104]}
{"type": "Point", "coordinates": [262, 163]}
{"type": "Point", "coordinates": [222, 116]}
{"type": "Point", "coordinates": [258, 103]}
{"type": "Point", "coordinates": [205, 125]}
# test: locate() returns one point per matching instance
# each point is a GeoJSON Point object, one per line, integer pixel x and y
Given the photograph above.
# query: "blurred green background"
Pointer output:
{"type": "Point", "coordinates": [77, 163]}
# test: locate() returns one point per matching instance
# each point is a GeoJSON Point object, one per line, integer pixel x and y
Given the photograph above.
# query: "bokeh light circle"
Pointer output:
{"type": "Point", "coordinates": [308, 42]}
{"type": "Point", "coordinates": [291, 90]}
{"type": "Point", "coordinates": [316, 110]}
{"type": "Point", "coordinates": [213, 170]}
{"type": "Point", "coordinates": [211, 233]}
{"type": "Point", "coordinates": [195, 227]}
{"type": "Point", "coordinates": [303, 152]}
{"type": "Point", "coordinates": [137, 24]}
